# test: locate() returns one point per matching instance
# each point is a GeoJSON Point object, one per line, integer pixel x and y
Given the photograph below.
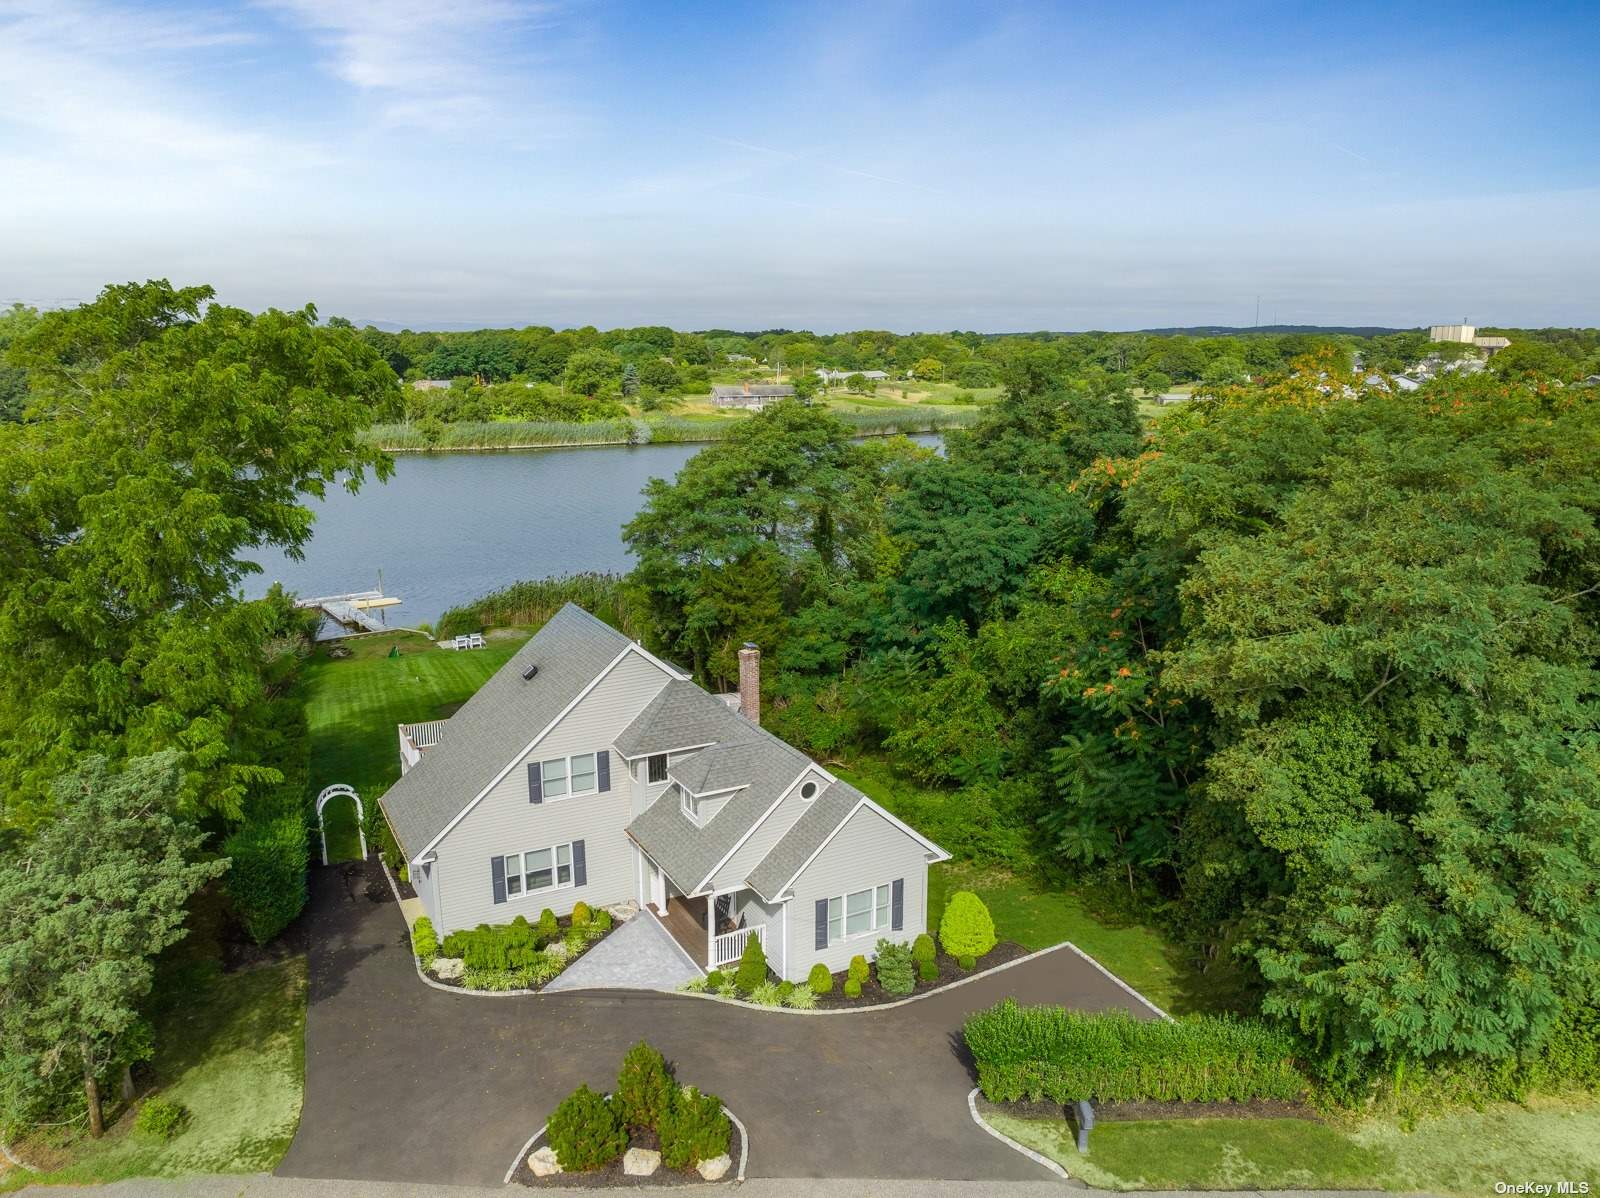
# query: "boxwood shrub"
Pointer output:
{"type": "Point", "coordinates": [820, 980]}
{"type": "Point", "coordinates": [1057, 1055]}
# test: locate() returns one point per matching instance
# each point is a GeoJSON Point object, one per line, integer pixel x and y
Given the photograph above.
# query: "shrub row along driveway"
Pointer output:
{"type": "Point", "coordinates": [404, 1082]}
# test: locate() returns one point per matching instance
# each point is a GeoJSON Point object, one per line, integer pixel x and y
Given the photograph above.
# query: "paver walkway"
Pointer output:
{"type": "Point", "coordinates": [640, 955]}
{"type": "Point", "coordinates": [408, 1083]}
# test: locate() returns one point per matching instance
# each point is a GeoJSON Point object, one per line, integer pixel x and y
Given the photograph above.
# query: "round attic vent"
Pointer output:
{"type": "Point", "coordinates": [808, 790]}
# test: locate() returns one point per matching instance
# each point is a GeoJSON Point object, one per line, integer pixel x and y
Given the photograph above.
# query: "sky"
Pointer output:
{"type": "Point", "coordinates": [906, 166]}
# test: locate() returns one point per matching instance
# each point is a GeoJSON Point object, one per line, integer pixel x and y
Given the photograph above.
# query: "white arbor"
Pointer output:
{"type": "Point", "coordinates": [333, 792]}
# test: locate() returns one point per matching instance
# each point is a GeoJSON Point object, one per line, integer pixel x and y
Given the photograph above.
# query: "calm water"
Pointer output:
{"type": "Point", "coordinates": [450, 527]}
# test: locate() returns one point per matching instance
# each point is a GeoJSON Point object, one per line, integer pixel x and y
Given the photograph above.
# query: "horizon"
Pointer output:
{"type": "Point", "coordinates": [904, 168]}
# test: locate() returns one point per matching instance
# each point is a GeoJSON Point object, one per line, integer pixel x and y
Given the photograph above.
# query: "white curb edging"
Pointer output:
{"type": "Point", "coordinates": [1036, 1157]}
{"type": "Point", "coordinates": [521, 1156]}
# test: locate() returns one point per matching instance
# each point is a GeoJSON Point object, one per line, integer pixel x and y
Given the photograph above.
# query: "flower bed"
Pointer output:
{"type": "Point", "coordinates": [520, 955]}
{"type": "Point", "coordinates": [649, 1131]}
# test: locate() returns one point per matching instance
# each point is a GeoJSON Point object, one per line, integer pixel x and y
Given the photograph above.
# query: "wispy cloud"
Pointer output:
{"type": "Point", "coordinates": [438, 66]}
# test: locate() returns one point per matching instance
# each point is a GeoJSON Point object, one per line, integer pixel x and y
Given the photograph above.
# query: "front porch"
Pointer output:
{"type": "Point", "coordinates": [710, 948]}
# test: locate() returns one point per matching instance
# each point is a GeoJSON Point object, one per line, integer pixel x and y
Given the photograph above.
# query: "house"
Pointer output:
{"type": "Point", "coordinates": [830, 377]}
{"type": "Point", "coordinates": [430, 384]}
{"type": "Point", "coordinates": [749, 395]}
{"type": "Point", "coordinates": [587, 768]}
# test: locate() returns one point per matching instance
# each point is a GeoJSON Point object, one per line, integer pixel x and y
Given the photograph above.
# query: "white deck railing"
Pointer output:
{"type": "Point", "coordinates": [729, 947]}
{"type": "Point", "coordinates": [414, 738]}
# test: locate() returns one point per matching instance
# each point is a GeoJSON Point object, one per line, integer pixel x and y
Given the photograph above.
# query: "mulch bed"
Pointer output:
{"type": "Point", "coordinates": [1132, 1112]}
{"type": "Point", "coordinates": [950, 971]}
{"type": "Point", "coordinates": [612, 1174]}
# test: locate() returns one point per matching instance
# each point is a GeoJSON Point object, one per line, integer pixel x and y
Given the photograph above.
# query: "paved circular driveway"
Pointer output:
{"type": "Point", "coordinates": [408, 1083]}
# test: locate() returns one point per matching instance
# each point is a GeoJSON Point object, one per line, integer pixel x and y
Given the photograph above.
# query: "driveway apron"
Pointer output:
{"type": "Point", "coordinates": [408, 1083]}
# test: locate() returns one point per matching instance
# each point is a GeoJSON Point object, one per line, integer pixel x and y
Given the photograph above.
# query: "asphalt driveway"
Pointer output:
{"type": "Point", "coordinates": [408, 1083]}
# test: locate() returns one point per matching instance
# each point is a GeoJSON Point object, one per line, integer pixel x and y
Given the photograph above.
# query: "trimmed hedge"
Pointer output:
{"type": "Point", "coordinates": [266, 880]}
{"type": "Point", "coordinates": [1053, 1054]}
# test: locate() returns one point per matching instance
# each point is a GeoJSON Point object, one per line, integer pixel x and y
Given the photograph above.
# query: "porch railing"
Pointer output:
{"type": "Point", "coordinates": [729, 947]}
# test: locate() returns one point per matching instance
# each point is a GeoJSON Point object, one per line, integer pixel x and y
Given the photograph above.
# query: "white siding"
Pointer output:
{"type": "Point", "coordinates": [646, 793]}
{"type": "Point", "coordinates": [747, 905]}
{"type": "Point", "coordinates": [763, 837]}
{"type": "Point", "coordinates": [505, 822]}
{"type": "Point", "coordinates": [868, 851]}
{"type": "Point", "coordinates": [423, 881]}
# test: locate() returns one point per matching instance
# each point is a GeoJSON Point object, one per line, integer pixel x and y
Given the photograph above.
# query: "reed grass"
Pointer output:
{"type": "Point", "coordinates": [530, 603]}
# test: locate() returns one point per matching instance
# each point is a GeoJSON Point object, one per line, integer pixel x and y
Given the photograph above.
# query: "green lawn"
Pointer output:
{"type": "Point", "coordinates": [1461, 1153]}
{"type": "Point", "coordinates": [231, 1050]}
{"type": "Point", "coordinates": [356, 702]}
{"type": "Point", "coordinates": [339, 828]}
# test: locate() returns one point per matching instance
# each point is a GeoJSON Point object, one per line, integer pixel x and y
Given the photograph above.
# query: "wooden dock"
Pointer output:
{"type": "Point", "coordinates": [354, 609]}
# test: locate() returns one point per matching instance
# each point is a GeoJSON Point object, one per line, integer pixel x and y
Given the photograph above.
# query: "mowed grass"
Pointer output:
{"type": "Point", "coordinates": [356, 703]}
{"type": "Point", "coordinates": [231, 1049]}
{"type": "Point", "coordinates": [1462, 1153]}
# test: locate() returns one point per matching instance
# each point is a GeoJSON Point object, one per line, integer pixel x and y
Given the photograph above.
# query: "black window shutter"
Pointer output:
{"type": "Point", "coordinates": [602, 769]}
{"type": "Point", "coordinates": [580, 871]}
{"type": "Point", "coordinates": [535, 783]}
{"type": "Point", "coordinates": [897, 904]}
{"type": "Point", "coordinates": [497, 868]}
{"type": "Point", "coordinates": [822, 923]}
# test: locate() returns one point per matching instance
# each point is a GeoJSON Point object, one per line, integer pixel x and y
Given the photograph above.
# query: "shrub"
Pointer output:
{"type": "Point", "coordinates": [548, 929]}
{"type": "Point", "coordinates": [729, 988]}
{"type": "Point", "coordinates": [923, 948]}
{"type": "Point", "coordinates": [266, 882]}
{"type": "Point", "coordinates": [894, 968]}
{"type": "Point", "coordinates": [714, 979]}
{"type": "Point", "coordinates": [928, 971]}
{"type": "Point", "coordinates": [494, 979]}
{"type": "Point", "coordinates": [752, 965]}
{"type": "Point", "coordinates": [581, 914]}
{"type": "Point", "coordinates": [644, 1088]}
{"type": "Point", "coordinates": [785, 988]}
{"type": "Point", "coordinates": [694, 1129]}
{"type": "Point", "coordinates": [585, 1132]}
{"type": "Point", "coordinates": [424, 943]}
{"type": "Point", "coordinates": [967, 962]}
{"type": "Point", "coordinates": [858, 969]}
{"type": "Point", "coordinates": [1052, 1054]}
{"type": "Point", "coordinates": [766, 994]}
{"type": "Point", "coordinates": [542, 969]}
{"type": "Point", "coordinates": [966, 928]}
{"type": "Point", "coordinates": [602, 920]}
{"type": "Point", "coordinates": [820, 980]}
{"type": "Point", "coordinates": [801, 998]}
{"type": "Point", "coordinates": [486, 951]}
{"type": "Point", "coordinates": [162, 1118]}
{"type": "Point", "coordinates": [696, 985]}
{"type": "Point", "coordinates": [576, 941]}
{"type": "Point", "coordinates": [852, 988]}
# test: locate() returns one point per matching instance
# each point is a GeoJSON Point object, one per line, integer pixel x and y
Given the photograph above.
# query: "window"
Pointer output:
{"type": "Point", "coordinates": [808, 789]}
{"type": "Point", "coordinates": [538, 869]}
{"type": "Point", "coordinates": [858, 913]}
{"type": "Point", "coordinates": [562, 777]}
{"type": "Point", "coordinates": [686, 801]}
{"type": "Point", "coordinates": [657, 767]}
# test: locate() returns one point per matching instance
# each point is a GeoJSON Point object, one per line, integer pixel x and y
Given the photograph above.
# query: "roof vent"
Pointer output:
{"type": "Point", "coordinates": [529, 672]}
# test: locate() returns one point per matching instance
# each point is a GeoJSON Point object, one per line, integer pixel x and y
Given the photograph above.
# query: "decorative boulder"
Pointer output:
{"type": "Point", "coordinates": [544, 1162]}
{"type": "Point", "coordinates": [624, 911]}
{"type": "Point", "coordinates": [640, 1162]}
{"type": "Point", "coordinates": [557, 950]}
{"type": "Point", "coordinates": [448, 968]}
{"type": "Point", "coordinates": [716, 1168]}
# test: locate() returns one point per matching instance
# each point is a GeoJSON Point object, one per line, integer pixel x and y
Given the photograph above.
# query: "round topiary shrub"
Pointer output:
{"type": "Point", "coordinates": [858, 969]}
{"type": "Point", "coordinates": [923, 948]}
{"type": "Point", "coordinates": [714, 979]}
{"type": "Point", "coordinates": [852, 988]}
{"type": "Point", "coordinates": [644, 1088]}
{"type": "Point", "coordinates": [752, 965]}
{"type": "Point", "coordinates": [549, 929]}
{"type": "Point", "coordinates": [162, 1118]}
{"type": "Point", "coordinates": [602, 920]}
{"type": "Point", "coordinates": [585, 1132]}
{"type": "Point", "coordinates": [820, 980]}
{"type": "Point", "coordinates": [967, 929]}
{"type": "Point", "coordinates": [581, 914]}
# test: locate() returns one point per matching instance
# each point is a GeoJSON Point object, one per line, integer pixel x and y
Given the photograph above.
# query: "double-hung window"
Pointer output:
{"type": "Point", "coordinates": [538, 869]}
{"type": "Point", "coordinates": [563, 776]}
{"type": "Point", "coordinates": [858, 913]}
{"type": "Point", "coordinates": [656, 765]}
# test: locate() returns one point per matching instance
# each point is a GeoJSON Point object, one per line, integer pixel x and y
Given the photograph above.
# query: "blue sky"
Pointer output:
{"type": "Point", "coordinates": [889, 165]}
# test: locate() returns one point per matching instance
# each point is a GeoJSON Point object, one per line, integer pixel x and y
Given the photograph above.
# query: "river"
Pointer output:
{"type": "Point", "coordinates": [449, 527]}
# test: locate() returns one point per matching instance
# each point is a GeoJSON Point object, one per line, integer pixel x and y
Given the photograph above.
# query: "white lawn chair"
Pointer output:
{"type": "Point", "coordinates": [475, 641]}
{"type": "Point", "coordinates": [463, 641]}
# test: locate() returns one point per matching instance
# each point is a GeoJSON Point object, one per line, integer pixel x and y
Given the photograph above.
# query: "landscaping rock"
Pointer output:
{"type": "Point", "coordinates": [716, 1168]}
{"type": "Point", "coordinates": [624, 911]}
{"type": "Point", "coordinates": [544, 1162]}
{"type": "Point", "coordinates": [448, 969]}
{"type": "Point", "coordinates": [557, 950]}
{"type": "Point", "coordinates": [640, 1162]}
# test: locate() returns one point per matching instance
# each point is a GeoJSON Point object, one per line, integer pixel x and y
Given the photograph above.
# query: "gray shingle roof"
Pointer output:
{"type": "Point", "coordinates": [493, 726]}
{"type": "Point", "coordinates": [794, 849]}
{"type": "Point", "coordinates": [682, 716]}
{"type": "Point", "coordinates": [749, 757]}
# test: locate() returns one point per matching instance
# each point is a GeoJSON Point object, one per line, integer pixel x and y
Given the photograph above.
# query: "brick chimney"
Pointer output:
{"type": "Point", "coordinates": [750, 682]}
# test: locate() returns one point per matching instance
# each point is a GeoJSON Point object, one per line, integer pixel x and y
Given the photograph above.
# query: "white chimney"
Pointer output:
{"type": "Point", "coordinates": [750, 682]}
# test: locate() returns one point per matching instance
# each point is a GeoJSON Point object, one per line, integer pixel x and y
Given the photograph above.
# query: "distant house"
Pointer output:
{"type": "Point", "coordinates": [754, 396]}
{"type": "Point", "coordinates": [430, 384]}
{"type": "Point", "coordinates": [831, 377]}
{"type": "Point", "coordinates": [740, 358]}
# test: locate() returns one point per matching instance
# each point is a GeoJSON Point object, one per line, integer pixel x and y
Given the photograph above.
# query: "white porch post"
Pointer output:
{"type": "Point", "coordinates": [711, 931]}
